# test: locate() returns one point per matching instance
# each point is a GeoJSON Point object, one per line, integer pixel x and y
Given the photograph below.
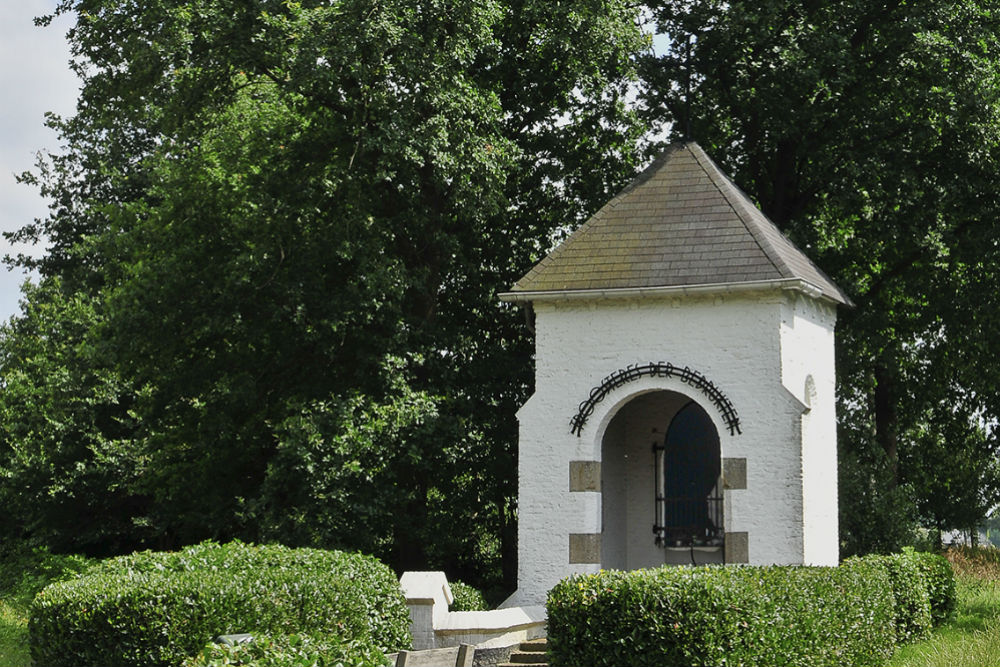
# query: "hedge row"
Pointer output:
{"type": "Point", "coordinates": [849, 615]}
{"type": "Point", "coordinates": [940, 578]}
{"type": "Point", "coordinates": [911, 597]}
{"type": "Point", "coordinates": [290, 651]}
{"type": "Point", "coordinates": [923, 586]}
{"type": "Point", "coordinates": [159, 608]}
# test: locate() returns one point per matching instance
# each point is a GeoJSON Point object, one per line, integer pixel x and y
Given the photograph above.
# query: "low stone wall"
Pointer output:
{"type": "Point", "coordinates": [433, 626]}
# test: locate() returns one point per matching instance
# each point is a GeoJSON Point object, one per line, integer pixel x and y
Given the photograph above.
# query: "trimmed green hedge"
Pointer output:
{"type": "Point", "coordinates": [853, 614]}
{"type": "Point", "coordinates": [466, 598]}
{"type": "Point", "coordinates": [155, 608]}
{"type": "Point", "coordinates": [290, 651]}
{"type": "Point", "coordinates": [724, 616]}
{"type": "Point", "coordinates": [940, 578]}
{"type": "Point", "coordinates": [912, 604]}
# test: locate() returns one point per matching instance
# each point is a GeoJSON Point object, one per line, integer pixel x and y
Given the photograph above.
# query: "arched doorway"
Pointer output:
{"type": "Point", "coordinates": [688, 482]}
{"type": "Point", "coordinates": [661, 484]}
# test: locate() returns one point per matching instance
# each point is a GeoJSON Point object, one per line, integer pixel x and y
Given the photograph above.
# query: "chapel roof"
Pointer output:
{"type": "Point", "coordinates": [680, 223]}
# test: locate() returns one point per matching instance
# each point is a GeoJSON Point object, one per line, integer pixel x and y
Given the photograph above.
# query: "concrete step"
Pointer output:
{"type": "Point", "coordinates": [535, 645]}
{"type": "Point", "coordinates": [529, 653]}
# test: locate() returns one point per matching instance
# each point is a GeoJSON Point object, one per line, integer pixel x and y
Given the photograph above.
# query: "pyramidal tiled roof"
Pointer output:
{"type": "Point", "coordinates": [681, 223]}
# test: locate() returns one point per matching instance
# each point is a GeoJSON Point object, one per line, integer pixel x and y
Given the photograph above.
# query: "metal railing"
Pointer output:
{"type": "Point", "coordinates": [689, 522]}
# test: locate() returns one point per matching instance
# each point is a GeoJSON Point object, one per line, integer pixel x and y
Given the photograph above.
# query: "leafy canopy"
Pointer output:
{"type": "Point", "coordinates": [870, 133]}
{"type": "Point", "coordinates": [285, 224]}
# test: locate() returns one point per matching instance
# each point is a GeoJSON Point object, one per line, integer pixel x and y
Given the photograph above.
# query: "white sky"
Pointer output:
{"type": "Point", "coordinates": [34, 78]}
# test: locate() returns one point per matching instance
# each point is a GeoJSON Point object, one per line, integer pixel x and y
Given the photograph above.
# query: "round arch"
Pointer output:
{"type": "Point", "coordinates": [612, 403]}
{"type": "Point", "coordinates": [659, 370]}
{"type": "Point", "coordinates": [650, 442]}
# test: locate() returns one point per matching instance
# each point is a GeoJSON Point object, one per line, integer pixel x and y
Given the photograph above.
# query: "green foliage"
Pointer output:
{"type": "Point", "coordinates": [466, 598]}
{"type": "Point", "coordinates": [337, 458]}
{"type": "Point", "coordinates": [25, 570]}
{"type": "Point", "coordinates": [67, 459]}
{"type": "Point", "coordinates": [870, 133]}
{"type": "Point", "coordinates": [290, 651]}
{"type": "Point", "coordinates": [157, 608]}
{"type": "Point", "coordinates": [940, 579]}
{"type": "Point", "coordinates": [732, 615]}
{"type": "Point", "coordinates": [954, 465]}
{"type": "Point", "coordinates": [876, 516]}
{"type": "Point", "coordinates": [910, 592]}
{"type": "Point", "coordinates": [275, 241]}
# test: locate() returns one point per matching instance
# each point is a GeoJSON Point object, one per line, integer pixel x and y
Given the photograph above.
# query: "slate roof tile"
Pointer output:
{"type": "Point", "coordinates": [680, 222]}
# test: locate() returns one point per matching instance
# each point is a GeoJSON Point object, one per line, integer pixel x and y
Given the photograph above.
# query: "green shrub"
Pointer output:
{"type": "Point", "coordinates": [940, 578]}
{"type": "Point", "coordinates": [466, 598]}
{"type": "Point", "coordinates": [25, 570]}
{"type": "Point", "coordinates": [724, 616]}
{"type": "Point", "coordinates": [910, 592]}
{"type": "Point", "coordinates": [159, 608]}
{"type": "Point", "coordinates": [290, 651]}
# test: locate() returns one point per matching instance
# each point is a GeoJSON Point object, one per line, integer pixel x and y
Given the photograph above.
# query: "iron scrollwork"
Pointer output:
{"type": "Point", "coordinates": [633, 372]}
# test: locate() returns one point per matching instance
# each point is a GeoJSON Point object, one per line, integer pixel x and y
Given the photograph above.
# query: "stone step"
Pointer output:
{"type": "Point", "coordinates": [529, 653]}
{"type": "Point", "coordinates": [535, 645]}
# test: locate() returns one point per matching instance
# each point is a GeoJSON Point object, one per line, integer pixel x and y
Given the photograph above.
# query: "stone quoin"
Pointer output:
{"type": "Point", "coordinates": [684, 407]}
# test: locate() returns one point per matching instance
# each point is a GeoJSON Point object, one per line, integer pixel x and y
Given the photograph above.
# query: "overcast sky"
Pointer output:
{"type": "Point", "coordinates": [34, 78]}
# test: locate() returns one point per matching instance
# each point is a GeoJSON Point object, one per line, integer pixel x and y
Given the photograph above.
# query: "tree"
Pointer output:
{"type": "Point", "coordinates": [292, 219]}
{"type": "Point", "coordinates": [869, 133]}
{"type": "Point", "coordinates": [70, 460]}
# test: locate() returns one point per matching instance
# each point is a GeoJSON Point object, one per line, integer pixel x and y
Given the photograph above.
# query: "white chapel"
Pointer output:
{"type": "Point", "coordinates": [684, 405]}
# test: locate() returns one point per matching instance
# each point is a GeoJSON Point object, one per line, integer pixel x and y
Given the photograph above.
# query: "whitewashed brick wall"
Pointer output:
{"type": "Point", "coordinates": [758, 349]}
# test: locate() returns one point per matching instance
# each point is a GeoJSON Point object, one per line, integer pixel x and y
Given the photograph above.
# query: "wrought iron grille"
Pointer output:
{"type": "Point", "coordinates": [686, 519]}
{"type": "Point", "coordinates": [689, 522]}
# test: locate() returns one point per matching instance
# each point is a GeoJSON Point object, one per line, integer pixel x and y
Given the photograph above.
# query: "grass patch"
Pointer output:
{"type": "Point", "coordinates": [24, 572]}
{"type": "Point", "coordinates": [971, 638]}
{"type": "Point", "coordinates": [14, 633]}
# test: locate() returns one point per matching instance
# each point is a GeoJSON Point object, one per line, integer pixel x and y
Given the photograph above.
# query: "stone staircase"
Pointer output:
{"type": "Point", "coordinates": [533, 653]}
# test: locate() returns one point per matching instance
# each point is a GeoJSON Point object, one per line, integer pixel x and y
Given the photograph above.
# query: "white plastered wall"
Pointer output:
{"type": "Point", "coordinates": [737, 341]}
{"type": "Point", "coordinates": [808, 373]}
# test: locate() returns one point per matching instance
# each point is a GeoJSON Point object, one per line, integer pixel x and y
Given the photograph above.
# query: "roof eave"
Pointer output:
{"type": "Point", "coordinates": [785, 284]}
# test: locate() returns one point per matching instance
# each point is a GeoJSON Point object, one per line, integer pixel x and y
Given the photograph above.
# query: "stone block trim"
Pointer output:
{"type": "Point", "coordinates": [737, 548]}
{"type": "Point", "coordinates": [584, 548]}
{"type": "Point", "coordinates": [584, 475]}
{"type": "Point", "coordinates": [734, 473]}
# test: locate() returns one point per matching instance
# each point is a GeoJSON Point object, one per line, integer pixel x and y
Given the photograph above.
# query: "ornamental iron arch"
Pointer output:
{"type": "Point", "coordinates": [634, 372]}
